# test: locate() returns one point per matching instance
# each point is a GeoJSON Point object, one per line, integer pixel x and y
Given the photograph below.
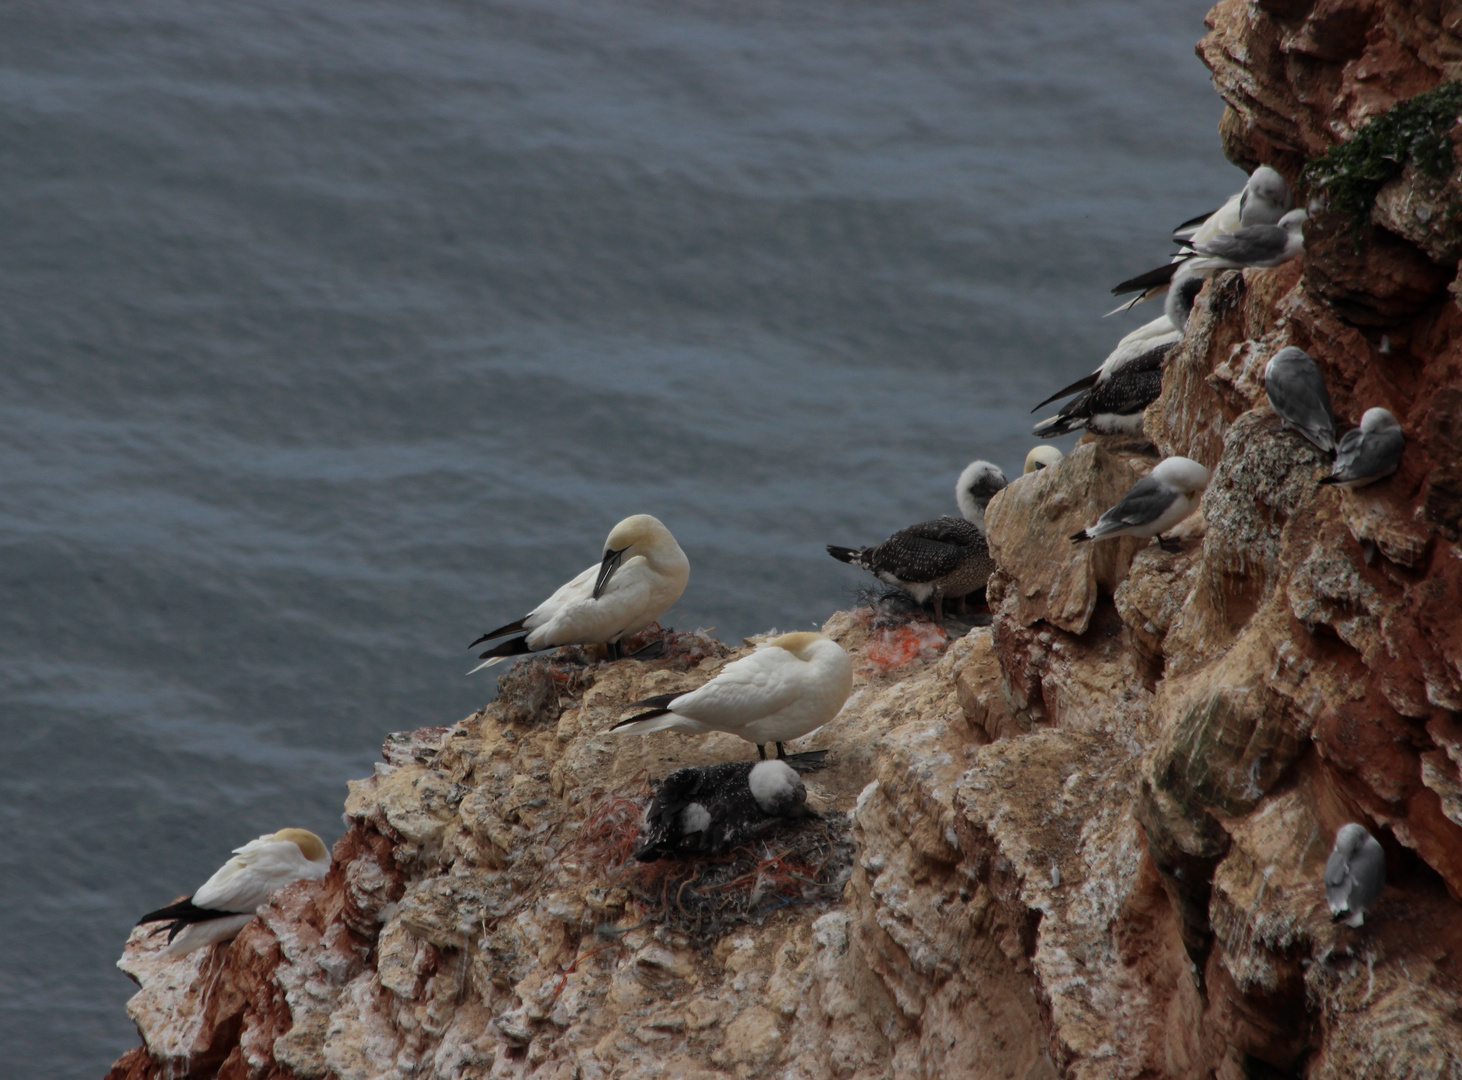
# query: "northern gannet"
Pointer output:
{"type": "Point", "coordinates": [642, 572]}
{"type": "Point", "coordinates": [1369, 453]}
{"type": "Point", "coordinates": [1355, 874]}
{"type": "Point", "coordinates": [225, 903]}
{"type": "Point", "coordinates": [1040, 457]}
{"type": "Point", "coordinates": [946, 557]}
{"type": "Point", "coordinates": [712, 808]}
{"type": "Point", "coordinates": [1155, 503]}
{"type": "Point", "coordinates": [788, 686]}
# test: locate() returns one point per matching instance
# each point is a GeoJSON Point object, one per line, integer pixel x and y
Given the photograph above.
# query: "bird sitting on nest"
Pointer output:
{"type": "Point", "coordinates": [944, 558]}
{"type": "Point", "coordinates": [708, 809]}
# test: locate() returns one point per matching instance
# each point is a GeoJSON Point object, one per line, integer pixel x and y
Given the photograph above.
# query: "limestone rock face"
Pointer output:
{"type": "Point", "coordinates": [1085, 840]}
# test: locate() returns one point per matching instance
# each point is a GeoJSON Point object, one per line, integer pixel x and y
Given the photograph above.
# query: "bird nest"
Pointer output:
{"type": "Point", "coordinates": [806, 861]}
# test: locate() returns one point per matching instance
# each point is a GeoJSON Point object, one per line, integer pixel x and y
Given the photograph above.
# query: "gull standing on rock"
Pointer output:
{"type": "Point", "coordinates": [225, 903]}
{"type": "Point", "coordinates": [1297, 391]}
{"type": "Point", "coordinates": [712, 808]}
{"type": "Point", "coordinates": [1355, 874]}
{"type": "Point", "coordinates": [642, 572]}
{"type": "Point", "coordinates": [945, 558]}
{"type": "Point", "coordinates": [1369, 453]}
{"type": "Point", "coordinates": [789, 686]}
{"type": "Point", "coordinates": [1115, 395]}
{"type": "Point", "coordinates": [1265, 199]}
{"type": "Point", "coordinates": [1154, 504]}
{"type": "Point", "coordinates": [1253, 245]}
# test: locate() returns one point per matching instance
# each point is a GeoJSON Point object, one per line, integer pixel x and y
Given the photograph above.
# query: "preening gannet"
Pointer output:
{"type": "Point", "coordinates": [1040, 457]}
{"type": "Point", "coordinates": [943, 558]}
{"type": "Point", "coordinates": [1369, 453]}
{"type": "Point", "coordinates": [643, 571]}
{"type": "Point", "coordinates": [713, 808]}
{"type": "Point", "coordinates": [1355, 874]}
{"type": "Point", "coordinates": [789, 686]}
{"type": "Point", "coordinates": [1296, 389]}
{"type": "Point", "coordinates": [1155, 503]}
{"type": "Point", "coordinates": [225, 903]}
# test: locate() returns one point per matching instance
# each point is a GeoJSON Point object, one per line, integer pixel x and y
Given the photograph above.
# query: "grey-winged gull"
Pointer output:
{"type": "Point", "coordinates": [1155, 503]}
{"type": "Point", "coordinates": [1297, 391]}
{"type": "Point", "coordinates": [1369, 453]}
{"type": "Point", "coordinates": [1355, 874]}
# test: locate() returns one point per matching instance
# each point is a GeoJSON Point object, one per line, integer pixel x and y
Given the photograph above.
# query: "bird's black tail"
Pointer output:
{"type": "Point", "coordinates": [845, 554]}
{"type": "Point", "coordinates": [183, 913]}
{"type": "Point", "coordinates": [658, 705]}
{"type": "Point", "coordinates": [1086, 382]}
{"type": "Point", "coordinates": [511, 628]}
{"type": "Point", "coordinates": [512, 647]}
{"type": "Point", "coordinates": [1158, 275]}
{"type": "Point", "coordinates": [1082, 535]}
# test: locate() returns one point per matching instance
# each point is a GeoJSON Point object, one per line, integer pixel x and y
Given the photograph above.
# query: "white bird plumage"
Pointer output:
{"type": "Point", "coordinates": [225, 903]}
{"type": "Point", "coordinates": [789, 686]}
{"type": "Point", "coordinates": [641, 574]}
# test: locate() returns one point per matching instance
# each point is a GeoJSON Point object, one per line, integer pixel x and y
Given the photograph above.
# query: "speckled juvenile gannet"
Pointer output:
{"type": "Point", "coordinates": [643, 571]}
{"type": "Point", "coordinates": [225, 903]}
{"type": "Point", "coordinates": [1253, 245]}
{"type": "Point", "coordinates": [1265, 199]}
{"type": "Point", "coordinates": [1297, 391]}
{"type": "Point", "coordinates": [1369, 453]}
{"type": "Point", "coordinates": [1115, 395]}
{"type": "Point", "coordinates": [1040, 457]}
{"type": "Point", "coordinates": [1355, 874]}
{"type": "Point", "coordinates": [944, 558]}
{"type": "Point", "coordinates": [712, 808]}
{"type": "Point", "coordinates": [1155, 503]}
{"type": "Point", "coordinates": [789, 686]}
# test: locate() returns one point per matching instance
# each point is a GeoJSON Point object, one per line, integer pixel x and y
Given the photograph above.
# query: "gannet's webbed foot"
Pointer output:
{"type": "Point", "coordinates": [1170, 544]}
{"type": "Point", "coordinates": [614, 650]}
{"type": "Point", "coordinates": [761, 751]}
{"type": "Point", "coordinates": [651, 651]}
{"type": "Point", "coordinates": [781, 751]}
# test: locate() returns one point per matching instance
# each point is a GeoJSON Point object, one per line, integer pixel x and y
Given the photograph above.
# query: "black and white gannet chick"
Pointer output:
{"type": "Point", "coordinates": [1264, 199]}
{"type": "Point", "coordinates": [642, 572]}
{"type": "Point", "coordinates": [225, 903]}
{"type": "Point", "coordinates": [1115, 395]}
{"type": "Point", "coordinates": [1369, 453]}
{"type": "Point", "coordinates": [1355, 874]}
{"type": "Point", "coordinates": [1040, 457]}
{"type": "Point", "coordinates": [1297, 391]}
{"type": "Point", "coordinates": [1253, 245]}
{"type": "Point", "coordinates": [788, 686]}
{"type": "Point", "coordinates": [1155, 503]}
{"type": "Point", "coordinates": [944, 558]}
{"type": "Point", "coordinates": [713, 808]}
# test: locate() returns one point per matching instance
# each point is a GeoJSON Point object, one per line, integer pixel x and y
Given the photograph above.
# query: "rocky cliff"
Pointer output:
{"type": "Point", "coordinates": [1085, 840]}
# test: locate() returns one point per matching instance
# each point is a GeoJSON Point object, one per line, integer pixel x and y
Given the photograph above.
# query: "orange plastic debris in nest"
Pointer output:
{"type": "Point", "coordinates": [899, 645]}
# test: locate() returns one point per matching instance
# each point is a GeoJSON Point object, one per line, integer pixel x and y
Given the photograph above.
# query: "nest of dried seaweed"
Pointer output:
{"type": "Point", "coordinates": [796, 862]}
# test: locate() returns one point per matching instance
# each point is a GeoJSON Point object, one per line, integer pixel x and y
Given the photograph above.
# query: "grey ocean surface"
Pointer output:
{"type": "Point", "coordinates": [332, 335]}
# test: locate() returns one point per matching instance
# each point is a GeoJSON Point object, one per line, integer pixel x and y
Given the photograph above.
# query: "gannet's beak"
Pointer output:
{"type": "Point", "coordinates": [607, 569]}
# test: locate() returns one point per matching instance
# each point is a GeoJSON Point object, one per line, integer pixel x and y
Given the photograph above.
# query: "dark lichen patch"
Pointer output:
{"type": "Point", "coordinates": [1414, 131]}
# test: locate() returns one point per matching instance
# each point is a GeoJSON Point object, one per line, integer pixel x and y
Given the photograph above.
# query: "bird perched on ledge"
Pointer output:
{"type": "Point", "coordinates": [1355, 874]}
{"type": "Point", "coordinates": [944, 558]}
{"type": "Point", "coordinates": [642, 572]}
{"type": "Point", "coordinates": [1369, 453]}
{"type": "Point", "coordinates": [1154, 504]}
{"type": "Point", "coordinates": [789, 686]}
{"type": "Point", "coordinates": [712, 808]}
{"type": "Point", "coordinates": [1297, 392]}
{"type": "Point", "coordinates": [224, 904]}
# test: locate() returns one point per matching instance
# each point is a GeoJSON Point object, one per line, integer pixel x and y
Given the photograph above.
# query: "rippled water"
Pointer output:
{"type": "Point", "coordinates": [331, 335]}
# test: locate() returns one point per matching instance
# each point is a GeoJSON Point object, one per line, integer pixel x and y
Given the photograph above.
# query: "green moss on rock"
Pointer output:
{"type": "Point", "coordinates": [1352, 172]}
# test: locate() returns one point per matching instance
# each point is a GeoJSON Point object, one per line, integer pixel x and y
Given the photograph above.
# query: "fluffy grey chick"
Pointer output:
{"type": "Point", "coordinates": [1297, 390]}
{"type": "Point", "coordinates": [708, 809]}
{"type": "Point", "coordinates": [1369, 453]}
{"type": "Point", "coordinates": [1355, 874]}
{"type": "Point", "coordinates": [946, 557]}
